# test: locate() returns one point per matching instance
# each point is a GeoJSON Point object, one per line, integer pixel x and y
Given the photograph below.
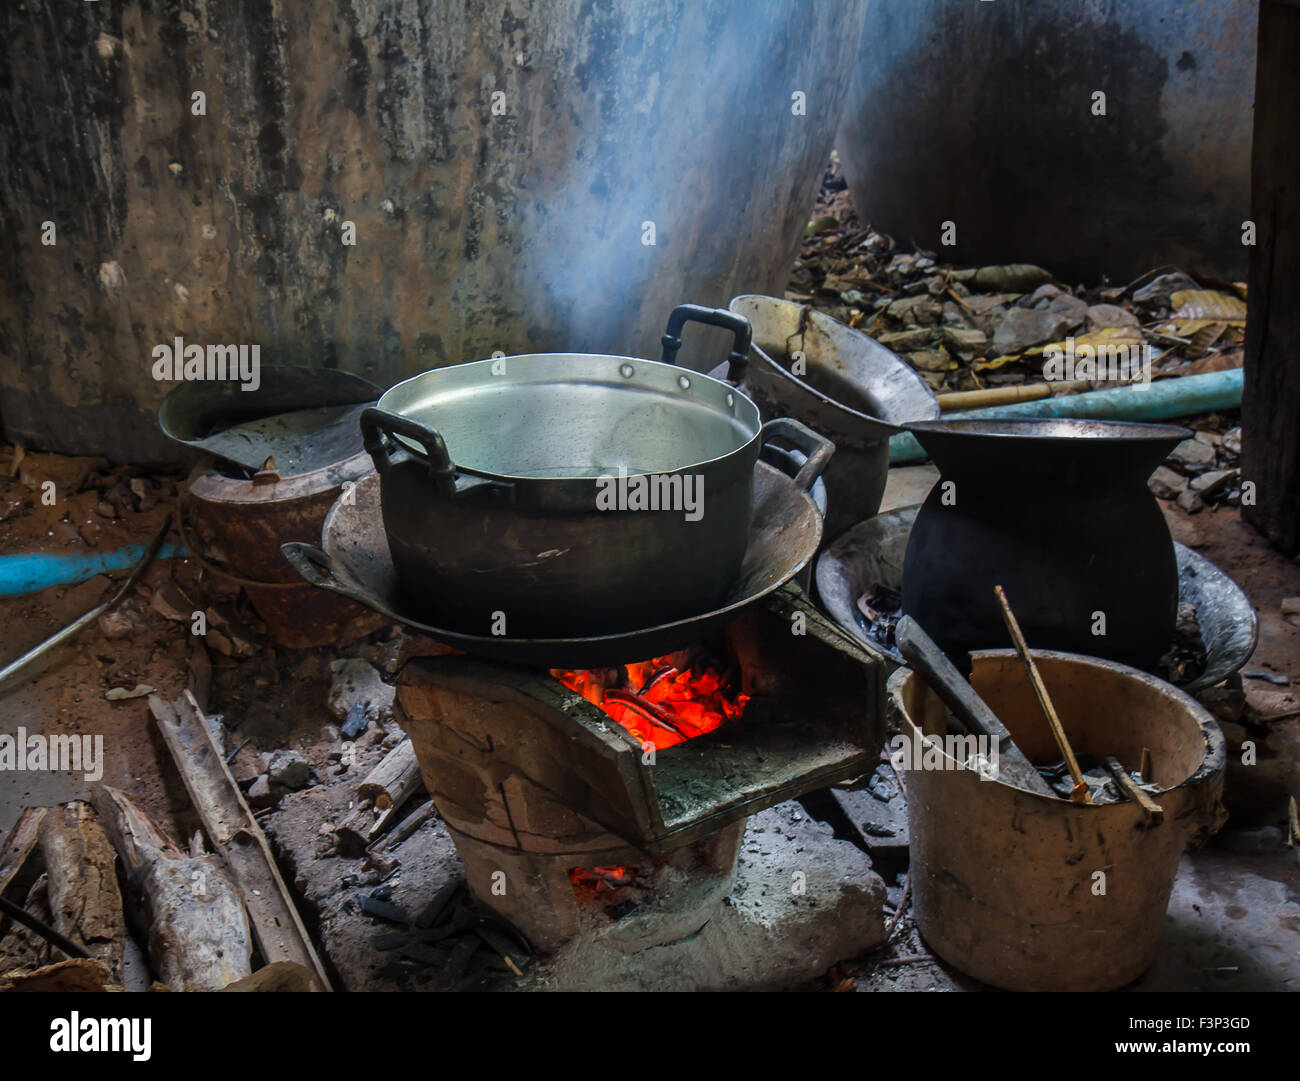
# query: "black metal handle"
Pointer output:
{"type": "Point", "coordinates": [378, 425]}
{"type": "Point", "coordinates": [818, 448]}
{"type": "Point", "coordinates": [716, 317]}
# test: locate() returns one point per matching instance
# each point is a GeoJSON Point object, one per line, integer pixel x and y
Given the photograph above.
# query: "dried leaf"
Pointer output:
{"type": "Point", "coordinates": [1208, 305]}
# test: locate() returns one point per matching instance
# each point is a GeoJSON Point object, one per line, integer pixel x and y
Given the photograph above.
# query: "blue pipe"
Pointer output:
{"type": "Point", "coordinates": [1165, 398]}
{"type": "Point", "coordinates": [30, 572]}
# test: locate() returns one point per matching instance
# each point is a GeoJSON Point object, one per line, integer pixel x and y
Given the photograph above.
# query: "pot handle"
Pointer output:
{"type": "Point", "coordinates": [377, 425]}
{"type": "Point", "coordinates": [818, 448]}
{"type": "Point", "coordinates": [717, 317]}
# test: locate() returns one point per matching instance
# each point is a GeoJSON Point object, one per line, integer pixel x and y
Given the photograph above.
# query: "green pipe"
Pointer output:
{"type": "Point", "coordinates": [1165, 398]}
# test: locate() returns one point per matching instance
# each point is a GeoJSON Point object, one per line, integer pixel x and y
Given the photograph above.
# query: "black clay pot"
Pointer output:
{"type": "Point", "coordinates": [1058, 513]}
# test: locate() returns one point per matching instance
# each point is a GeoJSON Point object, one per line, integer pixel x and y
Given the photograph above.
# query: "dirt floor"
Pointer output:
{"type": "Point", "coordinates": [1233, 922]}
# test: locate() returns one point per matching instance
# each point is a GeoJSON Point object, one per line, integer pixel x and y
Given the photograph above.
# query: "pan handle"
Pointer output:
{"type": "Point", "coordinates": [320, 569]}
{"type": "Point", "coordinates": [379, 425]}
{"type": "Point", "coordinates": [818, 448]}
{"type": "Point", "coordinates": [716, 317]}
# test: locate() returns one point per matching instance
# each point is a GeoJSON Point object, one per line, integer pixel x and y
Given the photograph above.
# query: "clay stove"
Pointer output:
{"type": "Point", "coordinates": [568, 821]}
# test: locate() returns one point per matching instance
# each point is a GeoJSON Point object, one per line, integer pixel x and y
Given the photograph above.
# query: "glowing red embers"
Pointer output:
{"type": "Point", "coordinates": [664, 701]}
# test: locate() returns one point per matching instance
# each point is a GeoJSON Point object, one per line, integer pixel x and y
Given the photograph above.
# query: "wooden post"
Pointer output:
{"type": "Point", "coordinates": [1270, 407]}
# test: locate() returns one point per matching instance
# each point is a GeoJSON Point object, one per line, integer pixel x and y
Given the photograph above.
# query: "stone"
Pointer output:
{"type": "Point", "coordinates": [1023, 328]}
{"type": "Point", "coordinates": [1190, 501]}
{"type": "Point", "coordinates": [930, 360]}
{"type": "Point", "coordinates": [967, 344]}
{"type": "Point", "coordinates": [1046, 291]}
{"type": "Point", "coordinates": [1210, 484]}
{"type": "Point", "coordinates": [1166, 484]}
{"type": "Point", "coordinates": [260, 794]}
{"type": "Point", "coordinates": [904, 341]}
{"type": "Point", "coordinates": [921, 310]}
{"type": "Point", "coordinates": [1110, 315]}
{"type": "Point", "coordinates": [1157, 292]}
{"type": "Point", "coordinates": [288, 769]}
{"type": "Point", "coordinates": [356, 681]}
{"type": "Point", "coordinates": [1069, 306]}
{"type": "Point", "coordinates": [1231, 441]}
{"type": "Point", "coordinates": [1192, 456]}
{"type": "Point", "coordinates": [171, 603]}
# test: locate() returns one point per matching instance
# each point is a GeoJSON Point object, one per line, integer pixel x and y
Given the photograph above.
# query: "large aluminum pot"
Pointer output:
{"type": "Point", "coordinates": [569, 493]}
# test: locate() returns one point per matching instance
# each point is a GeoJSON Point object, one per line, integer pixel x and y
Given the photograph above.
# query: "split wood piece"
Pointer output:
{"type": "Point", "coordinates": [234, 832]}
{"type": "Point", "coordinates": [1079, 793]}
{"type": "Point", "coordinates": [382, 793]}
{"type": "Point", "coordinates": [81, 872]}
{"type": "Point", "coordinates": [1152, 813]}
{"type": "Point", "coordinates": [1145, 767]}
{"type": "Point", "coordinates": [411, 823]}
{"type": "Point", "coordinates": [394, 780]}
{"type": "Point", "coordinates": [199, 938]}
{"type": "Point", "coordinates": [958, 695]}
{"type": "Point", "coordinates": [19, 845]}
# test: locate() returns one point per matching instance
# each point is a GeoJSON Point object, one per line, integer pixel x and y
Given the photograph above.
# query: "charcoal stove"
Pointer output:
{"type": "Point", "coordinates": [567, 821]}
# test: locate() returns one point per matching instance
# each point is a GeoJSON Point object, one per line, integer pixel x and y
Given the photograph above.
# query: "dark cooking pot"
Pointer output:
{"type": "Point", "coordinates": [1058, 513]}
{"type": "Point", "coordinates": [566, 493]}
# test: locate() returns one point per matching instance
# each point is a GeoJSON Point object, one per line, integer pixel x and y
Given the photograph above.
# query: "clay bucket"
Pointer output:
{"type": "Point", "coordinates": [1005, 882]}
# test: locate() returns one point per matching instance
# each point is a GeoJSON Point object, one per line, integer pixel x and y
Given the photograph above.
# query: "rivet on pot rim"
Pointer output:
{"type": "Point", "coordinates": [625, 371]}
{"type": "Point", "coordinates": [731, 400]}
{"type": "Point", "coordinates": [684, 382]}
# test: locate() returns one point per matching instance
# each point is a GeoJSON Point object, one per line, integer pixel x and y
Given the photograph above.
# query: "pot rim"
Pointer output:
{"type": "Point", "coordinates": [1053, 429]}
{"type": "Point", "coordinates": [1212, 763]}
{"type": "Point", "coordinates": [741, 403]}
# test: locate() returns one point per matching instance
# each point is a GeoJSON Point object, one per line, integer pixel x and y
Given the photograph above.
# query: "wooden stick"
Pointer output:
{"type": "Point", "coordinates": [19, 845]}
{"type": "Point", "coordinates": [235, 834]}
{"type": "Point", "coordinates": [1145, 767]}
{"type": "Point", "coordinates": [80, 867]}
{"type": "Point", "coordinates": [199, 938]}
{"type": "Point", "coordinates": [1079, 794]}
{"type": "Point", "coordinates": [1152, 812]}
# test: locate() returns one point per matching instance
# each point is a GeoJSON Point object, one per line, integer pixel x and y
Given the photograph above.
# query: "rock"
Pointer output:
{"type": "Point", "coordinates": [967, 344]}
{"type": "Point", "coordinates": [125, 619]}
{"type": "Point", "coordinates": [1069, 306]}
{"type": "Point", "coordinates": [904, 341]}
{"type": "Point", "coordinates": [105, 509]}
{"type": "Point", "coordinates": [1110, 315]}
{"type": "Point", "coordinates": [1210, 484]}
{"type": "Point", "coordinates": [930, 360]}
{"type": "Point", "coordinates": [356, 681]}
{"type": "Point", "coordinates": [1044, 292]}
{"type": "Point", "coordinates": [117, 694]}
{"type": "Point", "coordinates": [1156, 293]}
{"type": "Point", "coordinates": [921, 310]}
{"type": "Point", "coordinates": [1291, 610]}
{"type": "Point", "coordinates": [1023, 328]}
{"type": "Point", "coordinates": [1210, 439]}
{"type": "Point", "coordinates": [1231, 441]}
{"type": "Point", "coordinates": [1192, 456]}
{"type": "Point", "coordinates": [288, 769]}
{"type": "Point", "coordinates": [1190, 501]}
{"type": "Point", "coordinates": [1166, 484]}
{"type": "Point", "coordinates": [260, 794]}
{"type": "Point", "coordinates": [170, 602]}
{"type": "Point", "coordinates": [983, 304]}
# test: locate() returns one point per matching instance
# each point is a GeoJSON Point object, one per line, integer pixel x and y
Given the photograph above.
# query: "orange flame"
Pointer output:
{"type": "Point", "coordinates": [663, 701]}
